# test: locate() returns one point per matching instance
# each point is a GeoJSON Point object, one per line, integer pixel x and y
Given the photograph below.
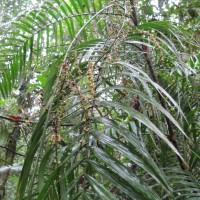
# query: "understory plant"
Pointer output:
{"type": "Point", "coordinates": [109, 102]}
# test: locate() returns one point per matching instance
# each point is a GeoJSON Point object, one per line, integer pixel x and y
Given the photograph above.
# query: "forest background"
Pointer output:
{"type": "Point", "coordinates": [100, 99]}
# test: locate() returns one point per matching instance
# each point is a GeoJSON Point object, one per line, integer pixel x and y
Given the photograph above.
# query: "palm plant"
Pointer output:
{"type": "Point", "coordinates": [112, 124]}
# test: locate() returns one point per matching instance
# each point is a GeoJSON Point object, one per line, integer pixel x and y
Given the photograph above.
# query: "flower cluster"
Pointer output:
{"type": "Point", "coordinates": [90, 74]}
{"type": "Point", "coordinates": [154, 41]}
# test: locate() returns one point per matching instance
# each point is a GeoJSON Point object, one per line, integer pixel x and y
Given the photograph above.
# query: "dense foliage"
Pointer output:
{"type": "Point", "coordinates": [100, 100]}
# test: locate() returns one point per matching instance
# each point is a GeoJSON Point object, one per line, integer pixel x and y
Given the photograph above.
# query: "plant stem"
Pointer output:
{"type": "Point", "coordinates": [154, 78]}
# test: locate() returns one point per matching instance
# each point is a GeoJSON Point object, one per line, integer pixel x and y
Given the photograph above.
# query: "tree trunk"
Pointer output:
{"type": "Point", "coordinates": [9, 157]}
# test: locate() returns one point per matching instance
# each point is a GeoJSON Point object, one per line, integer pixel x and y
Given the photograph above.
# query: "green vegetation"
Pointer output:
{"type": "Point", "coordinates": [100, 100]}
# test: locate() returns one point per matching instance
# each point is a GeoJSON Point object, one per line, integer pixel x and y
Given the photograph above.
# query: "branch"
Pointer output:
{"type": "Point", "coordinates": [14, 120]}
{"type": "Point", "coordinates": [19, 154]}
{"type": "Point", "coordinates": [27, 121]}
